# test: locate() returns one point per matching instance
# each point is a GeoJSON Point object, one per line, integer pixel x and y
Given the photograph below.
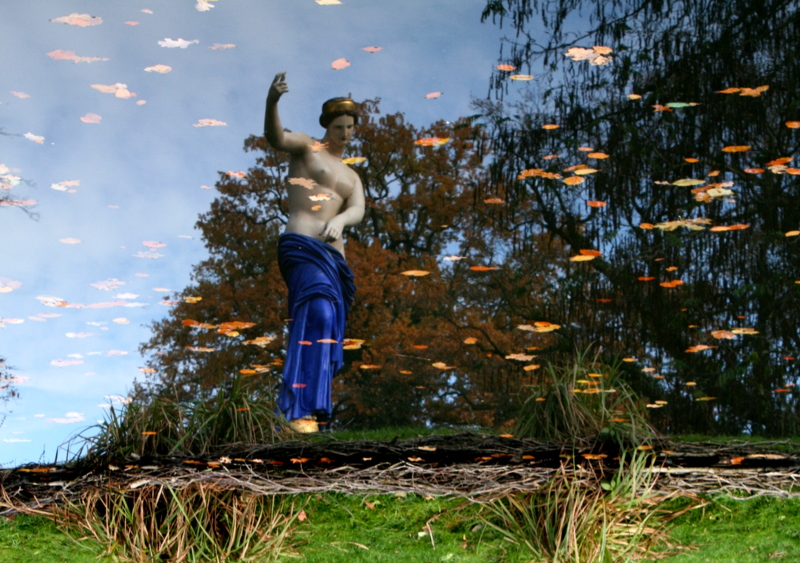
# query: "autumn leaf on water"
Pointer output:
{"type": "Point", "coordinates": [354, 160]}
{"type": "Point", "coordinates": [316, 146]}
{"type": "Point", "coordinates": [550, 126]}
{"type": "Point", "coordinates": [432, 95]}
{"type": "Point", "coordinates": [753, 92]}
{"type": "Point", "coordinates": [442, 366]}
{"type": "Point", "coordinates": [483, 268]}
{"type": "Point", "coordinates": [160, 69]}
{"type": "Point", "coordinates": [633, 96]}
{"type": "Point", "coordinates": [596, 56]}
{"type": "Point", "coordinates": [574, 180]}
{"type": "Point", "coordinates": [722, 228]}
{"type": "Point", "coordinates": [368, 366]}
{"type": "Point", "coordinates": [470, 340]}
{"type": "Point", "coordinates": [520, 357]}
{"type": "Point", "coordinates": [744, 330]}
{"type": "Point", "coordinates": [61, 55]}
{"type": "Point", "coordinates": [372, 49]}
{"type": "Point", "coordinates": [494, 200]}
{"type": "Point", "coordinates": [646, 226]}
{"type": "Point", "coordinates": [671, 284]}
{"type": "Point", "coordinates": [540, 326]}
{"type": "Point", "coordinates": [792, 233]}
{"type": "Point", "coordinates": [91, 118]}
{"type": "Point", "coordinates": [585, 171]}
{"type": "Point", "coordinates": [521, 77]}
{"type": "Point", "coordinates": [339, 64]}
{"type": "Point", "coordinates": [596, 203]}
{"type": "Point", "coordinates": [597, 155]}
{"type": "Point", "coordinates": [538, 173]}
{"type": "Point", "coordinates": [645, 278]}
{"type": "Point", "coordinates": [736, 148]}
{"type": "Point", "coordinates": [688, 182]}
{"type": "Point", "coordinates": [119, 90]}
{"type": "Point", "coordinates": [723, 334]}
{"type": "Point", "coordinates": [197, 324]}
{"type": "Point", "coordinates": [80, 20]}
{"type": "Point", "coordinates": [793, 124]}
{"type": "Point", "coordinates": [200, 349]}
{"type": "Point", "coordinates": [192, 299]}
{"type": "Point", "coordinates": [659, 107]}
{"type": "Point", "coordinates": [506, 68]}
{"type": "Point", "coordinates": [415, 273]}
{"type": "Point", "coordinates": [307, 183]}
{"type": "Point", "coordinates": [432, 141]}
{"type": "Point", "coordinates": [179, 43]}
{"type": "Point", "coordinates": [704, 398]}
{"type": "Point", "coordinates": [209, 123]}
{"type": "Point", "coordinates": [691, 224]}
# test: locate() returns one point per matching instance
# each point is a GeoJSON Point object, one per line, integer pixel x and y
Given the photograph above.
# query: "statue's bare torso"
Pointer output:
{"type": "Point", "coordinates": [325, 195]}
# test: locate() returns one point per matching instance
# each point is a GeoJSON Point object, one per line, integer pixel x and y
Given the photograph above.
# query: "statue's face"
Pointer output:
{"type": "Point", "coordinates": [340, 130]}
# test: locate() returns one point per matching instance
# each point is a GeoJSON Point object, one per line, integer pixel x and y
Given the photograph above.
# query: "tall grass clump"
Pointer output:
{"type": "Point", "coordinates": [198, 523]}
{"type": "Point", "coordinates": [164, 425]}
{"type": "Point", "coordinates": [581, 520]}
{"type": "Point", "coordinates": [581, 400]}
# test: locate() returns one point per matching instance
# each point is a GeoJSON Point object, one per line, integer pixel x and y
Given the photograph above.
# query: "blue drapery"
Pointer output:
{"type": "Point", "coordinates": [321, 289]}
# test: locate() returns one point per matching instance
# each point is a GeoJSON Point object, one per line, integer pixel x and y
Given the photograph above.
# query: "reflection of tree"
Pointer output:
{"type": "Point", "coordinates": [7, 181]}
{"type": "Point", "coordinates": [668, 51]}
{"type": "Point", "coordinates": [7, 390]}
{"type": "Point", "coordinates": [423, 204]}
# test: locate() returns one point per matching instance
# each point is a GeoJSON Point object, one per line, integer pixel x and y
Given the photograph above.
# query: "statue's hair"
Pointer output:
{"type": "Point", "coordinates": [336, 107]}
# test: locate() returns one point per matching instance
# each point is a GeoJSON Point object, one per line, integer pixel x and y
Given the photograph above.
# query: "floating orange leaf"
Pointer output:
{"type": "Point", "coordinates": [506, 68]}
{"type": "Point", "coordinates": [305, 342]}
{"type": "Point", "coordinates": [753, 92]}
{"type": "Point", "coordinates": [691, 160]}
{"type": "Point", "coordinates": [596, 203]}
{"type": "Point", "coordinates": [754, 170]}
{"type": "Point", "coordinates": [369, 366]}
{"type": "Point", "coordinates": [574, 180]}
{"type": "Point", "coordinates": [723, 334]}
{"type": "Point", "coordinates": [659, 107]}
{"type": "Point", "coordinates": [792, 233]}
{"type": "Point", "coordinates": [432, 141]}
{"type": "Point", "coordinates": [634, 97]}
{"type": "Point", "coordinates": [550, 126]}
{"type": "Point", "coordinates": [483, 268]}
{"type": "Point", "coordinates": [415, 273]}
{"type": "Point", "coordinates": [494, 200]}
{"type": "Point", "coordinates": [729, 91]}
{"type": "Point", "coordinates": [470, 340]}
{"type": "Point", "coordinates": [645, 278]}
{"type": "Point", "coordinates": [736, 148]}
{"type": "Point", "coordinates": [597, 155]}
{"type": "Point", "coordinates": [722, 228]}
{"type": "Point", "coordinates": [793, 124]}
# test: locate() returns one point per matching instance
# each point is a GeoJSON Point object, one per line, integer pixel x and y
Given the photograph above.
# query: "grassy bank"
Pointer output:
{"type": "Point", "coordinates": [352, 528]}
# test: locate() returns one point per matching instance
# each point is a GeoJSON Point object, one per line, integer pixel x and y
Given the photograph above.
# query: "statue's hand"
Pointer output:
{"type": "Point", "coordinates": [278, 87]}
{"type": "Point", "coordinates": [332, 230]}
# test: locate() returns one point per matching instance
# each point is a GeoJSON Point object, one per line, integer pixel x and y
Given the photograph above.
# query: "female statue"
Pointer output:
{"type": "Point", "coordinates": [325, 196]}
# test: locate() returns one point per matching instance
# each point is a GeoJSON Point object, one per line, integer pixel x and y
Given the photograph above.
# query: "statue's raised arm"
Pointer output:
{"type": "Point", "coordinates": [293, 143]}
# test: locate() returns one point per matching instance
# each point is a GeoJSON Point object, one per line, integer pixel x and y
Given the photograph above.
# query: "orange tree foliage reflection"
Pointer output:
{"type": "Point", "coordinates": [437, 348]}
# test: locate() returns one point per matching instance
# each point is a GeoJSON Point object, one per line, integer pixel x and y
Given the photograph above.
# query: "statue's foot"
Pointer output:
{"type": "Point", "coordinates": [305, 425]}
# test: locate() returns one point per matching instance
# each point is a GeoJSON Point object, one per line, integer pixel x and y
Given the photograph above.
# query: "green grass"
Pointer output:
{"type": "Point", "coordinates": [749, 531]}
{"type": "Point", "coordinates": [24, 539]}
{"type": "Point", "coordinates": [724, 531]}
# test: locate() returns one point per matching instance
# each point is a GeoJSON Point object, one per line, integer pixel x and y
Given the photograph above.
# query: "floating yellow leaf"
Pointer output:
{"type": "Point", "coordinates": [597, 155]}
{"type": "Point", "coordinates": [634, 97]}
{"type": "Point", "coordinates": [736, 148]}
{"type": "Point", "coordinates": [688, 182]}
{"type": "Point", "coordinates": [415, 273]}
{"type": "Point", "coordinates": [354, 160]}
{"type": "Point", "coordinates": [574, 180]}
{"type": "Point", "coordinates": [522, 77]}
{"type": "Point", "coordinates": [432, 141]}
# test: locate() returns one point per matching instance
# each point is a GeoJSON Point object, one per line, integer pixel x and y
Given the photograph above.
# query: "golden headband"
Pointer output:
{"type": "Point", "coordinates": [339, 105]}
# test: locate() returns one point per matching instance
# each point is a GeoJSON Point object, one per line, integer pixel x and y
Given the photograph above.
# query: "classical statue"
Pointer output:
{"type": "Point", "coordinates": [325, 196]}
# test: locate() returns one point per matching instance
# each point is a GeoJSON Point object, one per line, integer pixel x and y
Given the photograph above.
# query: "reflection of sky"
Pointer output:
{"type": "Point", "coordinates": [141, 167]}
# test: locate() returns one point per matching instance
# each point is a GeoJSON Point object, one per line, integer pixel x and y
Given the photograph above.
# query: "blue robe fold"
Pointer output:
{"type": "Point", "coordinates": [321, 289]}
